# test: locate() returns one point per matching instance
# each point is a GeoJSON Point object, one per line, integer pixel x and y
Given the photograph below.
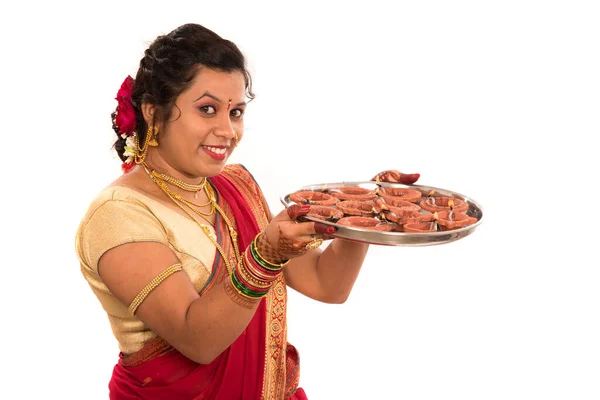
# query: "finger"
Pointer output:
{"type": "Point", "coordinates": [323, 229]}
{"type": "Point", "coordinates": [306, 230]}
{"type": "Point", "coordinates": [295, 210]}
{"type": "Point", "coordinates": [387, 176]}
{"type": "Point", "coordinates": [409, 179]}
{"type": "Point", "coordinates": [394, 176]}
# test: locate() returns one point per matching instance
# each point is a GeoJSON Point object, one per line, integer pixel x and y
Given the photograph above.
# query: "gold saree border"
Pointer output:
{"type": "Point", "coordinates": [281, 374]}
{"type": "Point", "coordinates": [274, 383]}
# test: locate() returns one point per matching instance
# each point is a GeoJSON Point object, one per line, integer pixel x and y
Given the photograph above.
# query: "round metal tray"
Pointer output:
{"type": "Point", "coordinates": [396, 238]}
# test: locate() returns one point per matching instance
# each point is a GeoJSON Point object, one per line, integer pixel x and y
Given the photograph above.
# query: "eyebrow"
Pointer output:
{"type": "Point", "coordinates": [207, 94]}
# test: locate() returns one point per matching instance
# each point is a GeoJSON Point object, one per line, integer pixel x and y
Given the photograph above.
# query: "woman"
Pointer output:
{"type": "Point", "coordinates": [182, 250]}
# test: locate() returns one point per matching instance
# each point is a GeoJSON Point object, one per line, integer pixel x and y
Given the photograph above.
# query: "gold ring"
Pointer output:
{"type": "Point", "coordinates": [313, 244]}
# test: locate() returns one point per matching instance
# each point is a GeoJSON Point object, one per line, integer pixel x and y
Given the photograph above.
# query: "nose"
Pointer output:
{"type": "Point", "coordinates": [225, 129]}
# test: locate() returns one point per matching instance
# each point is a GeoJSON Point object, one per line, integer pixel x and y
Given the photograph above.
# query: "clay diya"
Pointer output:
{"type": "Point", "coordinates": [352, 193]}
{"type": "Point", "coordinates": [424, 223]}
{"type": "Point", "coordinates": [325, 213]}
{"type": "Point", "coordinates": [358, 208]}
{"type": "Point", "coordinates": [399, 207]}
{"type": "Point", "coordinates": [410, 219]}
{"type": "Point", "coordinates": [405, 218]}
{"type": "Point", "coordinates": [449, 220]}
{"type": "Point", "coordinates": [420, 227]}
{"type": "Point", "coordinates": [402, 194]}
{"type": "Point", "coordinates": [442, 203]}
{"type": "Point", "coordinates": [311, 197]}
{"type": "Point", "coordinates": [372, 224]}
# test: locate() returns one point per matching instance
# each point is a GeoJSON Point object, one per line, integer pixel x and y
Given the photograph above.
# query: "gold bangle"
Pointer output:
{"type": "Point", "coordinates": [251, 279]}
{"type": "Point", "coordinates": [253, 243]}
{"type": "Point", "coordinates": [256, 273]}
{"type": "Point", "coordinates": [151, 286]}
{"type": "Point", "coordinates": [241, 293]}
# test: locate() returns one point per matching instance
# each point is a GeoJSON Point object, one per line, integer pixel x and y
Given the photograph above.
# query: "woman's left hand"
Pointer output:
{"type": "Point", "coordinates": [288, 236]}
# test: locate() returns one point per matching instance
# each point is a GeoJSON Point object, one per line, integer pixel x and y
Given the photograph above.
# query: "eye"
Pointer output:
{"type": "Point", "coordinates": [237, 113]}
{"type": "Point", "coordinates": [208, 109]}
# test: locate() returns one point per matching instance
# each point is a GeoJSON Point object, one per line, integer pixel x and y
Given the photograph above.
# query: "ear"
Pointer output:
{"type": "Point", "coordinates": [148, 110]}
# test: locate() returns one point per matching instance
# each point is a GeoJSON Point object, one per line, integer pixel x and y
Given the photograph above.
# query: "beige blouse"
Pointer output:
{"type": "Point", "coordinates": [119, 215]}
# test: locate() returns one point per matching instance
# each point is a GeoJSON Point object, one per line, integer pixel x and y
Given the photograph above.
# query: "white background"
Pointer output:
{"type": "Point", "coordinates": [495, 100]}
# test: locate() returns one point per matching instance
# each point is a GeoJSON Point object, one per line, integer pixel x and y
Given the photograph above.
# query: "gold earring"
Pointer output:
{"type": "Point", "coordinates": [140, 152]}
{"type": "Point", "coordinates": [235, 138]}
{"type": "Point", "coordinates": [151, 136]}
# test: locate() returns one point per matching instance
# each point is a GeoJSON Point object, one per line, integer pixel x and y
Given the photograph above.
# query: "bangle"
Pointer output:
{"type": "Point", "coordinates": [246, 277]}
{"type": "Point", "coordinates": [269, 265]}
{"type": "Point", "coordinates": [243, 290]}
{"type": "Point", "coordinates": [265, 264]}
{"type": "Point", "coordinates": [255, 269]}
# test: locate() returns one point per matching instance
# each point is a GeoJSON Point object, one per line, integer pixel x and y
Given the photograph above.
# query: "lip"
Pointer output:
{"type": "Point", "coordinates": [215, 156]}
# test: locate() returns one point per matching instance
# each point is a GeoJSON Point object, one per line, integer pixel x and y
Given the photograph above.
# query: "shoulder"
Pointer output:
{"type": "Point", "coordinates": [117, 215]}
{"type": "Point", "coordinates": [116, 199]}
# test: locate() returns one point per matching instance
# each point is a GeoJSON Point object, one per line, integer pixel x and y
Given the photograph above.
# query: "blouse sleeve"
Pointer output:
{"type": "Point", "coordinates": [114, 223]}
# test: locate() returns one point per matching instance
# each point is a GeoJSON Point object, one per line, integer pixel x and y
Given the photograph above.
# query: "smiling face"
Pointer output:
{"type": "Point", "coordinates": [200, 135]}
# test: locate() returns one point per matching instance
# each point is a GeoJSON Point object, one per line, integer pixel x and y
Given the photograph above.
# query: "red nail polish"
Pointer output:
{"type": "Point", "coordinates": [305, 207]}
{"type": "Point", "coordinates": [331, 229]}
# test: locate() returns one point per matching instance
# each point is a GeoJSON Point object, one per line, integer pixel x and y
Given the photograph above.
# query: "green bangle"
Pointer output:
{"type": "Point", "coordinates": [248, 292]}
{"type": "Point", "coordinates": [267, 264]}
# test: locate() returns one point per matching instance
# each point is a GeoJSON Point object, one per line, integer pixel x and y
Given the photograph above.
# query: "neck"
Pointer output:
{"type": "Point", "coordinates": [159, 164]}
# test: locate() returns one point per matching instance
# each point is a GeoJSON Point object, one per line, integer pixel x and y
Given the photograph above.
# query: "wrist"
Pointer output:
{"type": "Point", "coordinates": [267, 252]}
{"type": "Point", "coordinates": [253, 276]}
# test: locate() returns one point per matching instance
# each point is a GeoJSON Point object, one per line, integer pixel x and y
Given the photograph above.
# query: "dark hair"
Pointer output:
{"type": "Point", "coordinates": [169, 66]}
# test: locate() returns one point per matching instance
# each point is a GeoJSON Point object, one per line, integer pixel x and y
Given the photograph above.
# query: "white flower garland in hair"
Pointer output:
{"type": "Point", "coordinates": [130, 148]}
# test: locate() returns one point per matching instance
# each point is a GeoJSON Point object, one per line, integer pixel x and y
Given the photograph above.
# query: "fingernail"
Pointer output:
{"type": "Point", "coordinates": [305, 207]}
{"type": "Point", "coordinates": [320, 228]}
{"type": "Point", "coordinates": [331, 229]}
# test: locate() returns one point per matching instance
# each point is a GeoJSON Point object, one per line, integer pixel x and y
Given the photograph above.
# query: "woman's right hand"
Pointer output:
{"type": "Point", "coordinates": [395, 176]}
{"type": "Point", "coordinates": [286, 237]}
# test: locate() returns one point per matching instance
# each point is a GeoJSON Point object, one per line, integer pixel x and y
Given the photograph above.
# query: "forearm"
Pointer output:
{"type": "Point", "coordinates": [338, 267]}
{"type": "Point", "coordinates": [215, 320]}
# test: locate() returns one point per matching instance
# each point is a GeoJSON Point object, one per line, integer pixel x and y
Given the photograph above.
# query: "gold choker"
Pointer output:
{"type": "Point", "coordinates": [188, 187]}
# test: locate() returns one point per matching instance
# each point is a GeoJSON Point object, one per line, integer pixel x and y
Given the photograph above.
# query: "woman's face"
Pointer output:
{"type": "Point", "coordinates": [199, 136]}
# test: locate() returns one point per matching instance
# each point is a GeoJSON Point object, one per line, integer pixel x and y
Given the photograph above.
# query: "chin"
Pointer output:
{"type": "Point", "coordinates": [213, 170]}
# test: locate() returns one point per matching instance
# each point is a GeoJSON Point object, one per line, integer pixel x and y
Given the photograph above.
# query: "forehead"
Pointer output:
{"type": "Point", "coordinates": [224, 85]}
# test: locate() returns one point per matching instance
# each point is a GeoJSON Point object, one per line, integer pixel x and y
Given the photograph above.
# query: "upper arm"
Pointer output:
{"type": "Point", "coordinates": [128, 247]}
{"type": "Point", "coordinates": [127, 269]}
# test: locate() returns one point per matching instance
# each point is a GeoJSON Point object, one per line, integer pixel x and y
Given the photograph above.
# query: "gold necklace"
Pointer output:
{"type": "Point", "coordinates": [205, 228]}
{"type": "Point", "coordinates": [192, 206]}
{"type": "Point", "coordinates": [164, 179]}
{"type": "Point", "coordinates": [188, 187]}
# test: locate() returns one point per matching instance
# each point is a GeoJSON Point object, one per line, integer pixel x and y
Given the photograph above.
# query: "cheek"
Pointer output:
{"type": "Point", "coordinates": [239, 128]}
{"type": "Point", "coordinates": [191, 132]}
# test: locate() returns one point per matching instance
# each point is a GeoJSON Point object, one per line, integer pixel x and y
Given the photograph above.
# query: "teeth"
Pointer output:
{"type": "Point", "coordinates": [216, 150]}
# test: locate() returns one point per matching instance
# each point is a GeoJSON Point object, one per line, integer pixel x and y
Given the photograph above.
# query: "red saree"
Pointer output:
{"type": "Point", "coordinates": [258, 365]}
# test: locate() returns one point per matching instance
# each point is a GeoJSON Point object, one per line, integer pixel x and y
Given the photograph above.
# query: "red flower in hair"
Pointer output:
{"type": "Point", "coordinates": [125, 118]}
{"type": "Point", "coordinates": [127, 166]}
